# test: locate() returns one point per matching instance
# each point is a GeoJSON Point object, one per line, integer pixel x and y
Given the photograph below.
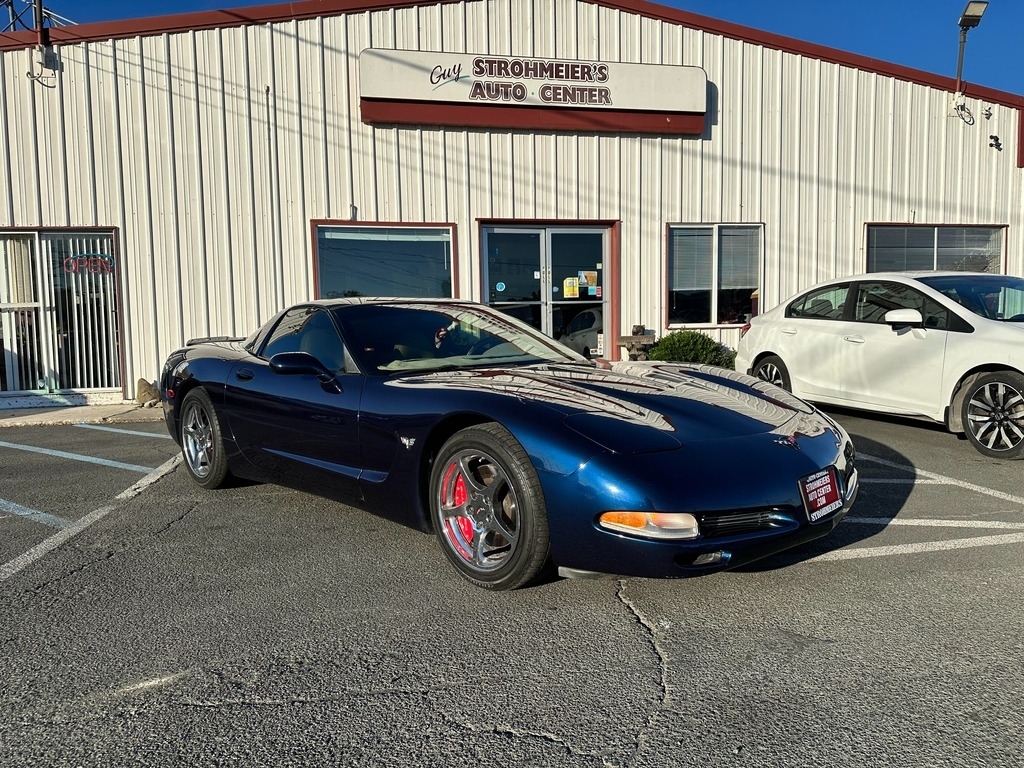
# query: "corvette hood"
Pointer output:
{"type": "Point", "coordinates": [655, 406]}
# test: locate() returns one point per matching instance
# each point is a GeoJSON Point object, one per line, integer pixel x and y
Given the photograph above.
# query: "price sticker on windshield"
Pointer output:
{"type": "Point", "coordinates": [821, 495]}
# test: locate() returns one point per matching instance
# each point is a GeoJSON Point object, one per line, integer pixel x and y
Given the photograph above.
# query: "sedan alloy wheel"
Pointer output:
{"type": "Point", "coordinates": [993, 415]}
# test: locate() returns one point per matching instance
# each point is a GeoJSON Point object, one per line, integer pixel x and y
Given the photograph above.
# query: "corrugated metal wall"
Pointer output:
{"type": "Point", "coordinates": [211, 151]}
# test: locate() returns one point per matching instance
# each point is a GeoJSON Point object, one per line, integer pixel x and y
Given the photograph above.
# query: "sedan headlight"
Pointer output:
{"type": "Point", "coordinates": [651, 525]}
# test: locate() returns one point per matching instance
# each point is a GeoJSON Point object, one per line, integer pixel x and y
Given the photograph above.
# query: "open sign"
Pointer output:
{"type": "Point", "coordinates": [91, 263]}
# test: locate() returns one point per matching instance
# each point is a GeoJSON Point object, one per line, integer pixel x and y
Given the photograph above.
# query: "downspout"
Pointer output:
{"type": "Point", "coordinates": [42, 33]}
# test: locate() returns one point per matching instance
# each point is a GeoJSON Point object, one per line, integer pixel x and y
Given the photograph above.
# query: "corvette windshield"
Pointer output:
{"type": "Point", "coordinates": [388, 338]}
{"type": "Point", "coordinates": [997, 297]}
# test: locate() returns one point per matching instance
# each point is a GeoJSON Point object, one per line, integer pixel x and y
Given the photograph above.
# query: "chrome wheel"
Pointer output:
{"type": "Point", "coordinates": [995, 417]}
{"type": "Point", "coordinates": [197, 440]}
{"type": "Point", "coordinates": [487, 508]}
{"type": "Point", "coordinates": [479, 510]}
{"type": "Point", "coordinates": [201, 443]}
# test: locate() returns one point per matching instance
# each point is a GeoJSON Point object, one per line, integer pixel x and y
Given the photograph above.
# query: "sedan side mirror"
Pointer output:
{"type": "Point", "coordinates": [896, 317]}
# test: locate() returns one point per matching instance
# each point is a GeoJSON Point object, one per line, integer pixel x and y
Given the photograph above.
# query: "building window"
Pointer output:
{"type": "Point", "coordinates": [960, 249]}
{"type": "Point", "coordinates": [383, 261]}
{"type": "Point", "coordinates": [712, 273]}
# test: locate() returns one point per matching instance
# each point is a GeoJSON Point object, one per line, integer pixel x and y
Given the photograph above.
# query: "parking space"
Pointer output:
{"type": "Point", "coordinates": [257, 625]}
{"type": "Point", "coordinates": [904, 507]}
{"type": "Point", "coordinates": [52, 477]}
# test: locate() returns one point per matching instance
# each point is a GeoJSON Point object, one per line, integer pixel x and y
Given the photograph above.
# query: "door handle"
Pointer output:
{"type": "Point", "coordinates": [854, 339]}
{"type": "Point", "coordinates": [787, 331]}
{"type": "Point", "coordinates": [244, 375]}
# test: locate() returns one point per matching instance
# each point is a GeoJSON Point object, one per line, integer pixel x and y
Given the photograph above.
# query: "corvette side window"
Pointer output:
{"type": "Point", "coordinates": [823, 304]}
{"type": "Point", "coordinates": [308, 329]}
{"type": "Point", "coordinates": [285, 336]}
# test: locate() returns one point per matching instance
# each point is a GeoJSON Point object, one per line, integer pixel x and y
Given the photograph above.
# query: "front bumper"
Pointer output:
{"type": "Point", "coordinates": [747, 510]}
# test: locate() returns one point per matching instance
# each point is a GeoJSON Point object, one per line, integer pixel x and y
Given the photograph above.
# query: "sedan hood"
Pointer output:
{"type": "Point", "coordinates": [641, 407]}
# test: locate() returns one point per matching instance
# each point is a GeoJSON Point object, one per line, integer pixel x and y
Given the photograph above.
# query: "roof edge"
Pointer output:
{"type": "Point", "coordinates": [813, 50]}
{"type": "Point", "coordinates": [306, 9]}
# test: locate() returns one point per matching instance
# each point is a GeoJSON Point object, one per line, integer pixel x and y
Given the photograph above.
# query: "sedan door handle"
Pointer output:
{"type": "Point", "coordinates": [787, 331]}
{"type": "Point", "coordinates": [244, 375]}
{"type": "Point", "coordinates": [854, 339]}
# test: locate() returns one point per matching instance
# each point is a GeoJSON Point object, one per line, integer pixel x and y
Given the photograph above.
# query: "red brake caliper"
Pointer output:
{"type": "Point", "coordinates": [459, 497]}
{"type": "Point", "coordinates": [465, 524]}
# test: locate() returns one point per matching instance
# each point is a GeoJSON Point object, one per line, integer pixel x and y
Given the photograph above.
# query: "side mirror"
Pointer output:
{"type": "Point", "coordinates": [896, 317]}
{"type": "Point", "coordinates": [298, 363]}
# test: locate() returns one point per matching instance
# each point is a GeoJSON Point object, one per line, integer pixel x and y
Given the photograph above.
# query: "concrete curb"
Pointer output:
{"type": "Point", "coordinates": [80, 414]}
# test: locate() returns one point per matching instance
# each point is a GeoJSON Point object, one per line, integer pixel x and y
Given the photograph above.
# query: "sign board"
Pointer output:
{"type": "Point", "coordinates": [467, 78]}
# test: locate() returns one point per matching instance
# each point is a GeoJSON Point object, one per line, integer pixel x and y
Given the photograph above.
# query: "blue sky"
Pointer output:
{"type": "Point", "coordinates": [917, 33]}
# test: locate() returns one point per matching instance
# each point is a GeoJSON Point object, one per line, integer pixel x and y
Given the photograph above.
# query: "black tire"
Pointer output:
{"type": "Point", "coordinates": [993, 414]}
{"type": "Point", "coordinates": [501, 541]}
{"type": "Point", "coordinates": [774, 371]}
{"type": "Point", "coordinates": [201, 443]}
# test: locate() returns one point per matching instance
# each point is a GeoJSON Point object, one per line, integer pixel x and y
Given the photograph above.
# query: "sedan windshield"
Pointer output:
{"type": "Point", "coordinates": [388, 338]}
{"type": "Point", "coordinates": [997, 297]}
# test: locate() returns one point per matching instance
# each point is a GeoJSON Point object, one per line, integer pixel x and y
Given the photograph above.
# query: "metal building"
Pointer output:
{"type": "Point", "coordinates": [588, 165]}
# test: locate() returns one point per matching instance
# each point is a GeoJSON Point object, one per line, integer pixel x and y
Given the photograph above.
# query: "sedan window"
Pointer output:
{"type": "Point", "coordinates": [825, 303]}
{"type": "Point", "coordinates": [997, 297]}
{"type": "Point", "coordinates": [876, 298]}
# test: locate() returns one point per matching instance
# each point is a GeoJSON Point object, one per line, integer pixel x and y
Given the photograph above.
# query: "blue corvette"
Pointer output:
{"type": "Point", "coordinates": [518, 453]}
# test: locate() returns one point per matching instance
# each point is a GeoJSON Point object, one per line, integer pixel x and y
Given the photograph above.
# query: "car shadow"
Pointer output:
{"type": "Point", "coordinates": [879, 500]}
{"type": "Point", "coordinates": [847, 415]}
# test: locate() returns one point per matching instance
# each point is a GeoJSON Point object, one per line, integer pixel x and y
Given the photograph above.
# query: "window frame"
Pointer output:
{"type": "Point", "coordinates": [716, 239]}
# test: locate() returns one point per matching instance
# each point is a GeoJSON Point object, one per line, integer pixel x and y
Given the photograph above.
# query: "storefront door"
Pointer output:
{"type": "Point", "coordinates": [58, 312]}
{"type": "Point", "coordinates": [552, 278]}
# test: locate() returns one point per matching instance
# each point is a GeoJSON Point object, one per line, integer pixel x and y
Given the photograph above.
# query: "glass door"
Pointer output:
{"type": "Point", "coordinates": [551, 278]}
{"type": "Point", "coordinates": [22, 367]}
{"type": "Point", "coordinates": [515, 260]}
{"type": "Point", "coordinates": [577, 288]}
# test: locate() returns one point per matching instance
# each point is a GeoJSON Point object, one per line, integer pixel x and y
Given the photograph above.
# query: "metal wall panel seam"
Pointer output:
{"type": "Point", "coordinates": [6, 161]}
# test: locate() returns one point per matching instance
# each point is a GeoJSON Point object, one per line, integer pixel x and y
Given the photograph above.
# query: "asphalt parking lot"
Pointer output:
{"type": "Point", "coordinates": [145, 622]}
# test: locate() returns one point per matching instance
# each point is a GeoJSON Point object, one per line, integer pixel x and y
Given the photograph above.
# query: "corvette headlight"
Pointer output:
{"type": "Point", "coordinates": [651, 525]}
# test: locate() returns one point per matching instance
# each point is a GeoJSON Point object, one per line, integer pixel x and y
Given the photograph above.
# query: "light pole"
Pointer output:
{"type": "Point", "coordinates": [969, 19]}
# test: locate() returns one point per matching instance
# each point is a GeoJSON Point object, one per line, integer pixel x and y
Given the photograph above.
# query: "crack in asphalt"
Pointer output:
{"type": "Point", "coordinates": [41, 588]}
{"type": "Point", "coordinates": [175, 521]}
{"type": "Point", "coordinates": [652, 633]}
{"type": "Point", "coordinates": [522, 733]}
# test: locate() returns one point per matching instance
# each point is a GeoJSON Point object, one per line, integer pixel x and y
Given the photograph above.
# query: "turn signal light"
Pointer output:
{"type": "Point", "coordinates": [652, 525]}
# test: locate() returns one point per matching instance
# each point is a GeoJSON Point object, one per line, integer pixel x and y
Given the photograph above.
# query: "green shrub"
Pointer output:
{"type": "Point", "coordinates": [692, 347]}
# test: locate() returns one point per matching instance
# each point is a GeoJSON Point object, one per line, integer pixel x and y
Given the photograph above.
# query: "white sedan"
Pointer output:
{"type": "Point", "coordinates": [947, 346]}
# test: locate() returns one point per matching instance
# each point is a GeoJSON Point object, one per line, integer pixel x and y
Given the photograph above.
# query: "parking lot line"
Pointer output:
{"type": "Point", "coordinates": [33, 514]}
{"type": "Point", "coordinates": [886, 521]}
{"type": "Point", "coordinates": [77, 457]}
{"type": "Point", "coordinates": [10, 568]}
{"type": "Point", "coordinates": [162, 436]}
{"type": "Point", "coordinates": [943, 479]}
{"type": "Point", "coordinates": [909, 549]}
